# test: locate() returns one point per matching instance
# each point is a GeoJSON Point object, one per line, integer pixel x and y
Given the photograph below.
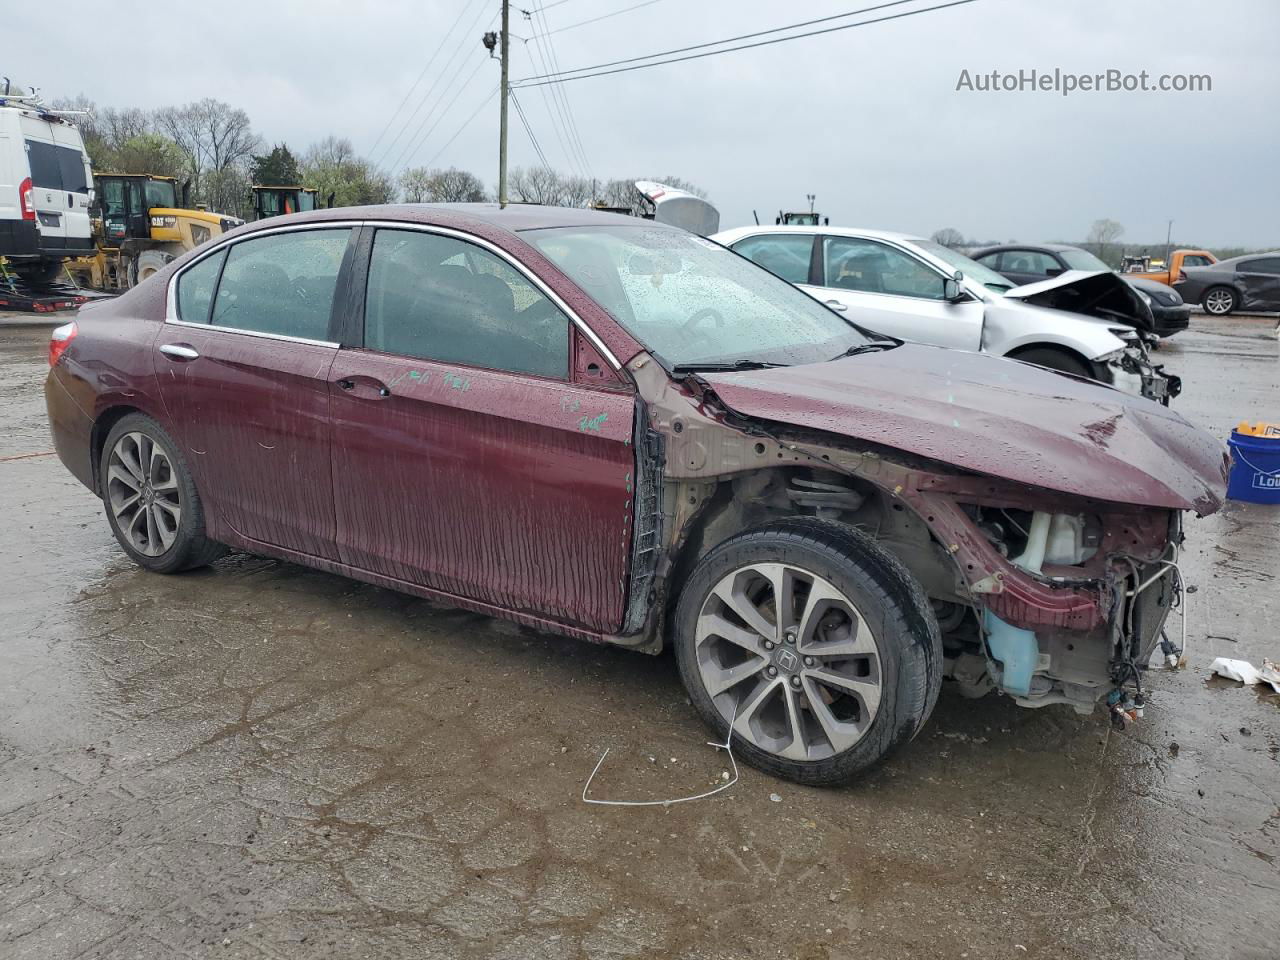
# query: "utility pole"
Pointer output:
{"type": "Point", "coordinates": [491, 40]}
{"type": "Point", "coordinates": [1168, 245]}
{"type": "Point", "coordinates": [502, 123]}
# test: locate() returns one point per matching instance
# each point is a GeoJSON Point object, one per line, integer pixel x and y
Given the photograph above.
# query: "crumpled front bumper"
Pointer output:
{"type": "Point", "coordinates": [1131, 370]}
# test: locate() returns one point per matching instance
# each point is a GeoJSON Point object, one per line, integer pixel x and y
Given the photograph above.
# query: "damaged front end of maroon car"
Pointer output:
{"type": "Point", "coordinates": [1042, 514]}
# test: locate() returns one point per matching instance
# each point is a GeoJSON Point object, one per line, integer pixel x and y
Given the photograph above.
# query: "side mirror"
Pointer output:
{"type": "Point", "coordinates": [1053, 272]}
{"type": "Point", "coordinates": [950, 290]}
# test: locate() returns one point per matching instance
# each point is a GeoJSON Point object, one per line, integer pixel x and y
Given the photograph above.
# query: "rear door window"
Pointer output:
{"type": "Point", "coordinates": [56, 168]}
{"type": "Point", "coordinates": [1028, 261]}
{"type": "Point", "coordinates": [440, 298]}
{"type": "Point", "coordinates": [1263, 265]}
{"type": "Point", "coordinates": [45, 169]}
{"type": "Point", "coordinates": [71, 166]}
{"type": "Point", "coordinates": [282, 284]}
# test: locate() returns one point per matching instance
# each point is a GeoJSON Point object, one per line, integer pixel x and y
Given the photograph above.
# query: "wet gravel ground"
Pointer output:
{"type": "Point", "coordinates": [256, 760]}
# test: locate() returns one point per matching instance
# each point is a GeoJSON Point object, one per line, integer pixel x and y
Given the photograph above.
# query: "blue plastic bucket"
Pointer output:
{"type": "Point", "coordinates": [1255, 468]}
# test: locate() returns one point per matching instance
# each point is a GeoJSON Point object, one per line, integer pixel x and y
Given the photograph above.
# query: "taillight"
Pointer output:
{"type": "Point", "coordinates": [59, 340]}
{"type": "Point", "coordinates": [24, 200]}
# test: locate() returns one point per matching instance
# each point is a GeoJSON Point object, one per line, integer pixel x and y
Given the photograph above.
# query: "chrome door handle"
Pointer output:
{"type": "Point", "coordinates": [178, 352]}
{"type": "Point", "coordinates": [836, 305]}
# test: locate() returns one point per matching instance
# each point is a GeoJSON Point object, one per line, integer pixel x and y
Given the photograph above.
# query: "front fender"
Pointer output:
{"type": "Point", "coordinates": [1011, 326]}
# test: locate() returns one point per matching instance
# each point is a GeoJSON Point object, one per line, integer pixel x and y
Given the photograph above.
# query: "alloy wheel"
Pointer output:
{"type": "Point", "coordinates": [789, 660]}
{"type": "Point", "coordinates": [142, 492]}
{"type": "Point", "coordinates": [1219, 301]}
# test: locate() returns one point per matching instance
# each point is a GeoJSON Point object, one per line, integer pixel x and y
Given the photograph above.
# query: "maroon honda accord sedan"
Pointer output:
{"type": "Point", "coordinates": [623, 432]}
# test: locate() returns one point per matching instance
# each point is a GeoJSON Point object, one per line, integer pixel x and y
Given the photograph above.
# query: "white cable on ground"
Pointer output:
{"type": "Point", "coordinates": [666, 803]}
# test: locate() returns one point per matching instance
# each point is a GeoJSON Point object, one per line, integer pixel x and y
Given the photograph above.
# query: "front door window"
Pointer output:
{"type": "Point", "coordinates": [868, 266]}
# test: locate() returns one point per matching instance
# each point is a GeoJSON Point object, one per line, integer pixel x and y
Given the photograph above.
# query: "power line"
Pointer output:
{"type": "Point", "coordinates": [563, 77]}
{"type": "Point", "coordinates": [466, 123]}
{"type": "Point", "coordinates": [529, 130]}
{"type": "Point", "coordinates": [583, 23]}
{"type": "Point", "coordinates": [574, 135]}
{"type": "Point", "coordinates": [417, 144]}
{"type": "Point", "coordinates": [439, 93]}
{"type": "Point", "coordinates": [559, 126]}
{"type": "Point", "coordinates": [430, 60]}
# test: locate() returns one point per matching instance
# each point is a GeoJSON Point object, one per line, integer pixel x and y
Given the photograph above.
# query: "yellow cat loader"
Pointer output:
{"type": "Point", "coordinates": [138, 227]}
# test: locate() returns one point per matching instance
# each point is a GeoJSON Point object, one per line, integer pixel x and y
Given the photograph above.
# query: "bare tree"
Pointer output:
{"type": "Point", "coordinates": [453, 186]}
{"type": "Point", "coordinates": [415, 184]}
{"type": "Point", "coordinates": [214, 138]}
{"type": "Point", "coordinates": [619, 193]}
{"type": "Point", "coordinates": [576, 192]}
{"type": "Point", "coordinates": [949, 237]}
{"type": "Point", "coordinates": [536, 185]}
{"type": "Point", "coordinates": [1104, 232]}
{"type": "Point", "coordinates": [120, 126]}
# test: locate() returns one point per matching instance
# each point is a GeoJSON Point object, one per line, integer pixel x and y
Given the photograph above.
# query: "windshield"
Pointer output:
{"type": "Point", "coordinates": [692, 302]}
{"type": "Point", "coordinates": [971, 269]}
{"type": "Point", "coordinates": [1082, 260]}
{"type": "Point", "coordinates": [161, 193]}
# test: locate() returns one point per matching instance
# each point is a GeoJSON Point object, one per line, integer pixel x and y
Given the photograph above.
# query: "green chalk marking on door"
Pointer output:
{"type": "Point", "coordinates": [593, 423]}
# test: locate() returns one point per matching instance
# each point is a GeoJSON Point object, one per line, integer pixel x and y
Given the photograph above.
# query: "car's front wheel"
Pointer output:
{"type": "Point", "coordinates": [818, 647]}
{"type": "Point", "coordinates": [151, 501]}
{"type": "Point", "coordinates": [1219, 301]}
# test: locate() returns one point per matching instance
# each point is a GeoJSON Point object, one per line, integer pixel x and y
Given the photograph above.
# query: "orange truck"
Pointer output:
{"type": "Point", "coordinates": [1172, 271]}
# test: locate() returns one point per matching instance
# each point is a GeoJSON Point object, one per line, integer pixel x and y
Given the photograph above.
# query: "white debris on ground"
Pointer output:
{"type": "Point", "coordinates": [1247, 673]}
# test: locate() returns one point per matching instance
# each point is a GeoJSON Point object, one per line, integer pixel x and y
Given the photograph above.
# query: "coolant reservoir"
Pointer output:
{"type": "Point", "coordinates": [1065, 545]}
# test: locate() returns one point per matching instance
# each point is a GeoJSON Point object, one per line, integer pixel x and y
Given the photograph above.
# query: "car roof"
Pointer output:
{"type": "Point", "coordinates": [1034, 247]}
{"type": "Point", "coordinates": [515, 217]}
{"type": "Point", "coordinates": [829, 231]}
{"type": "Point", "coordinates": [1244, 256]}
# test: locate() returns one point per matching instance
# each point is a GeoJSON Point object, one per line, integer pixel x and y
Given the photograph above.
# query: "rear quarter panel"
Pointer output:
{"type": "Point", "coordinates": [108, 368]}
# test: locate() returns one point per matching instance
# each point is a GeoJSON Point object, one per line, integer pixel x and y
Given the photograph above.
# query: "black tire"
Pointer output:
{"type": "Point", "coordinates": [41, 273]}
{"type": "Point", "coordinates": [1055, 359]}
{"type": "Point", "coordinates": [1219, 301]}
{"type": "Point", "coordinates": [893, 608]}
{"type": "Point", "coordinates": [190, 547]}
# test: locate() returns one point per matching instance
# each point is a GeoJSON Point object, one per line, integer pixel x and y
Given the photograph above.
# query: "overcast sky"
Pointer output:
{"type": "Point", "coordinates": [869, 119]}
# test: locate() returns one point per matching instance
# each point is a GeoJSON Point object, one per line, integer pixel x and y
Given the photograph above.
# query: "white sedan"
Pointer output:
{"type": "Point", "coordinates": [1083, 323]}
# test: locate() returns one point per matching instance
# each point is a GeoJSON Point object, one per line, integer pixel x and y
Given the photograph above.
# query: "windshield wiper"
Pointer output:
{"type": "Point", "coordinates": [712, 366]}
{"type": "Point", "coordinates": [873, 347]}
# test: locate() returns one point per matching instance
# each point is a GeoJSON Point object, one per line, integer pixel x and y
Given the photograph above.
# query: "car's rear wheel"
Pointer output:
{"type": "Point", "coordinates": [816, 645]}
{"type": "Point", "coordinates": [151, 502]}
{"type": "Point", "coordinates": [1219, 301]}
{"type": "Point", "coordinates": [1056, 360]}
